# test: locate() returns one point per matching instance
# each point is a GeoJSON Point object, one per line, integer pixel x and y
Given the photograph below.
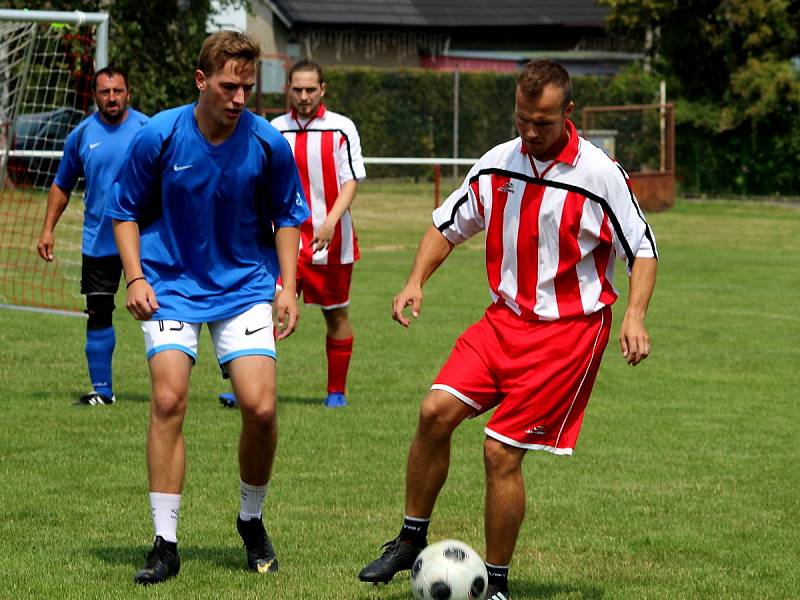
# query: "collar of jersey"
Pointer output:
{"type": "Point", "coordinates": [108, 126]}
{"type": "Point", "coordinates": [317, 115]}
{"type": "Point", "coordinates": [200, 138]}
{"type": "Point", "coordinates": [569, 153]}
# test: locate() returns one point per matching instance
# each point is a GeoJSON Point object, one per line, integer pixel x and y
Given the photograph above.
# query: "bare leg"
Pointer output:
{"type": "Point", "coordinates": [169, 375]}
{"type": "Point", "coordinates": [505, 499]}
{"type": "Point", "coordinates": [429, 456]}
{"type": "Point", "coordinates": [338, 323]}
{"type": "Point", "coordinates": [253, 379]}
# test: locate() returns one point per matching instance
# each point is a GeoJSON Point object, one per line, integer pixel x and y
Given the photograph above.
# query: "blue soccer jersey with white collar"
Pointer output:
{"type": "Point", "coordinates": [207, 213]}
{"type": "Point", "coordinates": [94, 150]}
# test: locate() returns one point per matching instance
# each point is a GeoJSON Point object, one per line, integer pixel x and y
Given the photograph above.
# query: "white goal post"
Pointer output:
{"type": "Point", "coordinates": [75, 17]}
{"type": "Point", "coordinates": [18, 26]}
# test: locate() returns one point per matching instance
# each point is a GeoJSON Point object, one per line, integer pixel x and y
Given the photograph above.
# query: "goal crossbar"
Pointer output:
{"type": "Point", "coordinates": [76, 17]}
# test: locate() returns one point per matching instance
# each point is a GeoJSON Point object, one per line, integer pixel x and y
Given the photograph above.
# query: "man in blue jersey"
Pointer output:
{"type": "Point", "coordinates": [207, 211]}
{"type": "Point", "coordinates": [94, 150]}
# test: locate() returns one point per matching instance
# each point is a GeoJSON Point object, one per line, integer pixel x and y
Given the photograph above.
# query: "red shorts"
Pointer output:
{"type": "Point", "coordinates": [326, 286]}
{"type": "Point", "coordinates": [539, 375]}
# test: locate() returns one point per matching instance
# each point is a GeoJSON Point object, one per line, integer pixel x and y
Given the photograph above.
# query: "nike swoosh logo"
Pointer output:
{"type": "Point", "coordinates": [95, 145]}
{"type": "Point", "coordinates": [248, 332]}
{"type": "Point", "coordinates": [176, 168]}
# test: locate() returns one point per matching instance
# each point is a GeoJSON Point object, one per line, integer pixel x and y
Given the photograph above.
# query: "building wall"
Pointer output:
{"type": "Point", "coordinates": [261, 24]}
{"type": "Point", "coordinates": [499, 49]}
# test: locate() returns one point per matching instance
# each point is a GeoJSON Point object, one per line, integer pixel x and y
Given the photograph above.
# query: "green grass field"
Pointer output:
{"type": "Point", "coordinates": [684, 483]}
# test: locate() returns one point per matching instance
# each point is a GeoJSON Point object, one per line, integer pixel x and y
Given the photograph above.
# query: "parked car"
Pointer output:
{"type": "Point", "coordinates": [44, 131]}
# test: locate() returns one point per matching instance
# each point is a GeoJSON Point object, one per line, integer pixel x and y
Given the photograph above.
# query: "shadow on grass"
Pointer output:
{"type": "Point", "coordinates": [231, 558]}
{"type": "Point", "coordinates": [142, 397]}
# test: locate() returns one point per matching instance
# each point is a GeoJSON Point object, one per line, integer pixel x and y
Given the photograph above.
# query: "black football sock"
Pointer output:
{"type": "Point", "coordinates": [414, 530]}
{"type": "Point", "coordinates": [498, 576]}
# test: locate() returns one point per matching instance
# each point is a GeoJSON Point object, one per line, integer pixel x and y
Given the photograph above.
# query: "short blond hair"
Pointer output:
{"type": "Point", "coordinates": [222, 46]}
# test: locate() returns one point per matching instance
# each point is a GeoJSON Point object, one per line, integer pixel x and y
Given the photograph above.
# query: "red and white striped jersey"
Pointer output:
{"type": "Point", "coordinates": [552, 229]}
{"type": "Point", "coordinates": [327, 151]}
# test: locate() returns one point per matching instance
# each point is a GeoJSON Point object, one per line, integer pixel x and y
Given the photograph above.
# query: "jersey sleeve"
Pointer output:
{"type": "Point", "coordinates": [461, 215]}
{"type": "Point", "coordinates": [70, 168]}
{"type": "Point", "coordinates": [130, 191]}
{"type": "Point", "coordinates": [633, 237]}
{"type": "Point", "coordinates": [279, 123]}
{"type": "Point", "coordinates": [350, 163]}
{"type": "Point", "coordinates": [285, 197]}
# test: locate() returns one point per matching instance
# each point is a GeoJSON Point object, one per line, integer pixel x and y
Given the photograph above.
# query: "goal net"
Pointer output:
{"type": "Point", "coordinates": [45, 79]}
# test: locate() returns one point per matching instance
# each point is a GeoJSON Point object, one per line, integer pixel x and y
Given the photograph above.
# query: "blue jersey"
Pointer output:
{"type": "Point", "coordinates": [207, 213]}
{"type": "Point", "coordinates": [95, 151]}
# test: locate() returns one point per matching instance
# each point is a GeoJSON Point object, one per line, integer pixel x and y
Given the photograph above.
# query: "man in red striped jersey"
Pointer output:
{"type": "Point", "coordinates": [327, 149]}
{"type": "Point", "coordinates": [556, 212]}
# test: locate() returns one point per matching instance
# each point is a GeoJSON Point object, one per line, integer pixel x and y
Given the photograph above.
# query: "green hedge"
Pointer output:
{"type": "Point", "coordinates": [409, 112]}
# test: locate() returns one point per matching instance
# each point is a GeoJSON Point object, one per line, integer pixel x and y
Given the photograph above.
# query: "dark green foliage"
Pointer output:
{"type": "Point", "coordinates": [728, 67]}
{"type": "Point", "coordinates": [734, 67]}
{"type": "Point", "coordinates": [410, 112]}
{"type": "Point", "coordinates": [418, 107]}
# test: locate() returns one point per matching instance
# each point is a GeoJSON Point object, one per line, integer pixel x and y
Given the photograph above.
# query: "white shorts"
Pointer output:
{"type": "Point", "coordinates": [247, 334]}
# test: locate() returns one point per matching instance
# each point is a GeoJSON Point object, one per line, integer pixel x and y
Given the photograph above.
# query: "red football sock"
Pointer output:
{"type": "Point", "coordinates": [339, 353]}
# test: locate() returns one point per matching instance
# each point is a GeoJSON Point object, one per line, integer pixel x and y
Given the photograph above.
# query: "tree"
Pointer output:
{"type": "Point", "coordinates": [734, 53]}
{"type": "Point", "coordinates": [732, 64]}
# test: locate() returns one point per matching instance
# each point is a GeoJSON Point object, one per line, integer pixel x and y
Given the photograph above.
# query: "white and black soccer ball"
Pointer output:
{"type": "Point", "coordinates": [449, 570]}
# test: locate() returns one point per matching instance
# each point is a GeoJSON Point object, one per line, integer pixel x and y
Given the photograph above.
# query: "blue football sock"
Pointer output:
{"type": "Point", "coordinates": [100, 345]}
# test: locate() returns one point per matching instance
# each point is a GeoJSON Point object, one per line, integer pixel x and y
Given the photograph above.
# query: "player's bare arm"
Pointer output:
{"type": "Point", "coordinates": [287, 240]}
{"type": "Point", "coordinates": [141, 301]}
{"type": "Point", "coordinates": [324, 235]}
{"type": "Point", "coordinates": [433, 249]}
{"type": "Point", "coordinates": [633, 338]}
{"type": "Point", "coordinates": [57, 200]}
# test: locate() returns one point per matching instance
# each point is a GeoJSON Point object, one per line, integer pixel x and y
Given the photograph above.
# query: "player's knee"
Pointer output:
{"type": "Point", "coordinates": [100, 308]}
{"type": "Point", "coordinates": [168, 405]}
{"type": "Point", "coordinates": [501, 459]}
{"type": "Point", "coordinates": [338, 321]}
{"type": "Point", "coordinates": [261, 415]}
{"type": "Point", "coordinates": [439, 414]}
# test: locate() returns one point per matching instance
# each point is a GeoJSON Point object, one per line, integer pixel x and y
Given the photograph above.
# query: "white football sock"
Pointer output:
{"type": "Point", "coordinates": [252, 500]}
{"type": "Point", "coordinates": [165, 509]}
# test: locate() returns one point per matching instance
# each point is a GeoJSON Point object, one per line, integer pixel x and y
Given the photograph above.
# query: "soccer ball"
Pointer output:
{"type": "Point", "coordinates": [449, 570]}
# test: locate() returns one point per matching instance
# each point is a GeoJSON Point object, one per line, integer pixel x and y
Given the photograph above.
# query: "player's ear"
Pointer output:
{"type": "Point", "coordinates": [322, 90]}
{"type": "Point", "coordinates": [568, 110]}
{"type": "Point", "coordinates": [200, 80]}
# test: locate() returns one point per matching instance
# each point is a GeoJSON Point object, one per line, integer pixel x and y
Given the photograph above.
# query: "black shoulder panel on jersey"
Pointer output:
{"type": "Point", "coordinates": [79, 140]}
{"type": "Point", "coordinates": [267, 229]}
{"type": "Point", "coordinates": [155, 203]}
{"type": "Point", "coordinates": [452, 218]}
{"type": "Point", "coordinates": [570, 188]}
{"type": "Point", "coordinates": [647, 232]}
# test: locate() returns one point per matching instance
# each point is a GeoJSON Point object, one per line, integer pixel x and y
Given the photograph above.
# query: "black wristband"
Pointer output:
{"type": "Point", "coordinates": [127, 285]}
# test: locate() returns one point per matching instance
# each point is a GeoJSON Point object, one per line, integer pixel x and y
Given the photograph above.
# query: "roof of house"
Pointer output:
{"type": "Point", "coordinates": [442, 13]}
